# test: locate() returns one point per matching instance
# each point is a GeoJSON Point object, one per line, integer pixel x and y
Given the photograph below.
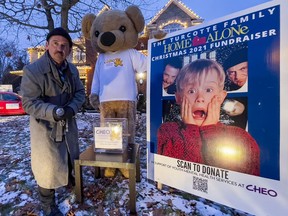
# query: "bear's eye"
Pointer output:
{"type": "Point", "coordinates": [96, 33]}
{"type": "Point", "coordinates": [122, 28]}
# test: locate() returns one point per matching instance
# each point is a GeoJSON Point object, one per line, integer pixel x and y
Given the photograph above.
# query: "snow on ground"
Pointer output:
{"type": "Point", "coordinates": [103, 196]}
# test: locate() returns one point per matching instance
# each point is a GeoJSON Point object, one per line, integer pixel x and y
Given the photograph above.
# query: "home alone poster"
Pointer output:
{"type": "Point", "coordinates": [216, 124]}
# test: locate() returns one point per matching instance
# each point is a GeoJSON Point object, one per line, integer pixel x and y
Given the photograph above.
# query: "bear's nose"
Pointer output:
{"type": "Point", "coordinates": [107, 38]}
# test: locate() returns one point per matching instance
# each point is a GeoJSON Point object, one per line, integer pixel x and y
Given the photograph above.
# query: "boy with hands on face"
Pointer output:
{"type": "Point", "coordinates": [199, 136]}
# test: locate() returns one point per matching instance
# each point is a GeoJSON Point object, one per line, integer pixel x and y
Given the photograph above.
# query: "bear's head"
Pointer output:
{"type": "Point", "coordinates": [113, 30]}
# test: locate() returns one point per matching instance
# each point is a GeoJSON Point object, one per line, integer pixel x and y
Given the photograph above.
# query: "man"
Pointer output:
{"type": "Point", "coordinates": [52, 94]}
{"type": "Point", "coordinates": [171, 70]}
{"type": "Point", "coordinates": [236, 67]}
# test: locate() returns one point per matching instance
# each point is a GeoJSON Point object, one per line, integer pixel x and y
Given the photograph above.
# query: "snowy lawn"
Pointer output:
{"type": "Point", "coordinates": [104, 196]}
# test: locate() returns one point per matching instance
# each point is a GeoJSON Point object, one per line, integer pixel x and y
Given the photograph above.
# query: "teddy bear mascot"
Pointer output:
{"type": "Point", "coordinates": [114, 34]}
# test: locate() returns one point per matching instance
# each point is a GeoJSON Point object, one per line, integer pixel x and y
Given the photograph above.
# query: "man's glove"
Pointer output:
{"type": "Point", "coordinates": [94, 101]}
{"type": "Point", "coordinates": [68, 112]}
{"type": "Point", "coordinates": [61, 113]}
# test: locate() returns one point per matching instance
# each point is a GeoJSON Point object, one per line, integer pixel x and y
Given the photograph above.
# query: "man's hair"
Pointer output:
{"type": "Point", "coordinates": [192, 73]}
{"type": "Point", "coordinates": [175, 62]}
{"type": "Point", "coordinates": [235, 58]}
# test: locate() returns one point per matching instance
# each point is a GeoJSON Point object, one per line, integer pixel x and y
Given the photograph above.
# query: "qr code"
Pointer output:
{"type": "Point", "coordinates": [200, 184]}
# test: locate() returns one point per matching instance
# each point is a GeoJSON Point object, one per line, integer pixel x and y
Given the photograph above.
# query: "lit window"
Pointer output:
{"type": "Point", "coordinates": [172, 27]}
{"type": "Point", "coordinates": [79, 56]}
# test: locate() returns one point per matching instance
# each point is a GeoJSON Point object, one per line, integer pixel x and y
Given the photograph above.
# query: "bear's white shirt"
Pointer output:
{"type": "Point", "coordinates": [114, 76]}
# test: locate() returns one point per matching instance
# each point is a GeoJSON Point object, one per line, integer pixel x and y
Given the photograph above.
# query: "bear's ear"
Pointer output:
{"type": "Point", "coordinates": [87, 22]}
{"type": "Point", "coordinates": [136, 16]}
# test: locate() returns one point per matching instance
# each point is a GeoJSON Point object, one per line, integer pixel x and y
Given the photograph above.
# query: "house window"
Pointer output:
{"type": "Point", "coordinates": [79, 56]}
{"type": "Point", "coordinates": [40, 53]}
{"type": "Point", "coordinates": [172, 27]}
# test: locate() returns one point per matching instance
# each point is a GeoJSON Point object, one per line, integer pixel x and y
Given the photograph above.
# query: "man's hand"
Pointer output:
{"type": "Point", "coordinates": [186, 111]}
{"type": "Point", "coordinates": [68, 112]}
{"type": "Point", "coordinates": [94, 101]}
{"type": "Point", "coordinates": [213, 112]}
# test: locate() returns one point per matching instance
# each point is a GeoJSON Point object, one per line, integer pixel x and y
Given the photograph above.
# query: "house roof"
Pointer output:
{"type": "Point", "coordinates": [180, 5]}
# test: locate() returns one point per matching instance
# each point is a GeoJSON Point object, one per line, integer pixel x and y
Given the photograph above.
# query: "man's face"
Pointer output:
{"type": "Point", "coordinates": [238, 73]}
{"type": "Point", "coordinates": [200, 94]}
{"type": "Point", "coordinates": [169, 76]}
{"type": "Point", "coordinates": [58, 48]}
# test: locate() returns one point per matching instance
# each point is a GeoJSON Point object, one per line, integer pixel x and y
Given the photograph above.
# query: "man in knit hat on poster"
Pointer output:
{"type": "Point", "coordinates": [236, 68]}
{"type": "Point", "coordinates": [52, 94]}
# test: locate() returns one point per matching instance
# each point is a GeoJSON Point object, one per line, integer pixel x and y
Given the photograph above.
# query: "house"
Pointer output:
{"type": "Point", "coordinates": [172, 17]}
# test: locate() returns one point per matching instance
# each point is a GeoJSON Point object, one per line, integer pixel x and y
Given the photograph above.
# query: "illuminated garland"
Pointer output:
{"type": "Point", "coordinates": [184, 24]}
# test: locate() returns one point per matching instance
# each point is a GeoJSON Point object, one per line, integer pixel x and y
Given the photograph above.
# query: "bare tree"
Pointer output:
{"type": "Point", "coordinates": [34, 18]}
{"type": "Point", "coordinates": [11, 58]}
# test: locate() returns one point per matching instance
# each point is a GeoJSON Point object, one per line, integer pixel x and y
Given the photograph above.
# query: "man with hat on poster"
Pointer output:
{"type": "Point", "coordinates": [52, 94]}
{"type": "Point", "coordinates": [236, 68]}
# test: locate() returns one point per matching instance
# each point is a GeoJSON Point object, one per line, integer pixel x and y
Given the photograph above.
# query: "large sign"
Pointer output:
{"type": "Point", "coordinates": [217, 124]}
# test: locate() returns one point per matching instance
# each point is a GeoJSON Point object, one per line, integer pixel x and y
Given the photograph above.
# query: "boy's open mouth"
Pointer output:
{"type": "Point", "coordinates": [199, 114]}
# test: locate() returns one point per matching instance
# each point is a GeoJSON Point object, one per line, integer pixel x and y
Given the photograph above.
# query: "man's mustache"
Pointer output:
{"type": "Point", "coordinates": [60, 52]}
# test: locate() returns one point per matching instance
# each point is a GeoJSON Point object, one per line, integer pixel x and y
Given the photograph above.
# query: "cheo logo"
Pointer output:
{"type": "Point", "coordinates": [261, 190]}
{"type": "Point", "coordinates": [102, 131]}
